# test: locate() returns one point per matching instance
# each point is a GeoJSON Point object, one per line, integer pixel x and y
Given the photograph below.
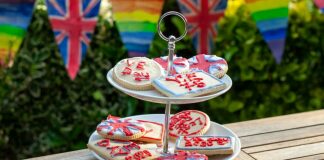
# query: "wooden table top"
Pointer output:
{"type": "Point", "coordinates": [296, 136]}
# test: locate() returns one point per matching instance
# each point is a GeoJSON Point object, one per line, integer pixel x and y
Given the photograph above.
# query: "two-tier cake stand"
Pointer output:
{"type": "Point", "coordinates": [156, 97]}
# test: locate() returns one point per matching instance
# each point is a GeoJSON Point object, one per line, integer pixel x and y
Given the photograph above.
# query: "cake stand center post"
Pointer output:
{"type": "Point", "coordinates": [171, 47]}
{"type": "Point", "coordinates": [166, 129]}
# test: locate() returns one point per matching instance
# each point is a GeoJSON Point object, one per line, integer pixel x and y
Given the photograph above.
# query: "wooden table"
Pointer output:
{"type": "Point", "coordinates": [297, 136]}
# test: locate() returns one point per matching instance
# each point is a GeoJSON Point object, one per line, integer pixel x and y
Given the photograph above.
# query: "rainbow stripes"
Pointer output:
{"type": "Point", "coordinates": [320, 4]}
{"type": "Point", "coordinates": [14, 19]}
{"type": "Point", "coordinates": [271, 17]}
{"type": "Point", "coordinates": [136, 21]}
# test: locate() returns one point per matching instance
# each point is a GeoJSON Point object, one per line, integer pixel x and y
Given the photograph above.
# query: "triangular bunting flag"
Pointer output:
{"type": "Point", "coordinates": [271, 18]}
{"type": "Point", "coordinates": [73, 23]}
{"type": "Point", "coordinates": [203, 16]}
{"type": "Point", "coordinates": [15, 17]}
{"type": "Point", "coordinates": [320, 5]}
{"type": "Point", "coordinates": [136, 21]}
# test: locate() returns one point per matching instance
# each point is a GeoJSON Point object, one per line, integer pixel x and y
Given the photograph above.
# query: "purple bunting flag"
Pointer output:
{"type": "Point", "coordinates": [271, 18]}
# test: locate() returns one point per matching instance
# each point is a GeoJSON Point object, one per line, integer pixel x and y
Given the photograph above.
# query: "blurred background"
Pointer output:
{"type": "Point", "coordinates": [42, 111]}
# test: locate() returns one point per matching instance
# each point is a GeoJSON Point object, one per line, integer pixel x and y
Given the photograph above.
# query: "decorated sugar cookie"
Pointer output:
{"type": "Point", "coordinates": [123, 150]}
{"type": "Point", "coordinates": [122, 129]}
{"type": "Point", "coordinates": [189, 122]}
{"type": "Point", "coordinates": [137, 73]}
{"type": "Point", "coordinates": [184, 156]}
{"type": "Point", "coordinates": [209, 145]}
{"type": "Point", "coordinates": [188, 85]}
{"type": "Point", "coordinates": [154, 132]}
{"type": "Point", "coordinates": [180, 65]}
{"type": "Point", "coordinates": [212, 64]}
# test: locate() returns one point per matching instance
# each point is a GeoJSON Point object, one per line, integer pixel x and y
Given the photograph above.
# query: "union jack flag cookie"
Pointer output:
{"type": "Point", "coordinates": [211, 64]}
{"type": "Point", "coordinates": [121, 129]}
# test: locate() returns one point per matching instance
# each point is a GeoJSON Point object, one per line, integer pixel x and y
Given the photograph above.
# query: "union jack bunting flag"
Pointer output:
{"type": "Point", "coordinates": [203, 16]}
{"type": "Point", "coordinates": [73, 22]}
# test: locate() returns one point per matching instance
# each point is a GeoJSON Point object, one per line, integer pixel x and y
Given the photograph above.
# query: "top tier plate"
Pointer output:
{"type": "Point", "coordinates": [156, 97]}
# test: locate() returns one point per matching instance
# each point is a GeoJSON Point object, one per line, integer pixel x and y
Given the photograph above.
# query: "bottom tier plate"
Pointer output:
{"type": "Point", "coordinates": [215, 129]}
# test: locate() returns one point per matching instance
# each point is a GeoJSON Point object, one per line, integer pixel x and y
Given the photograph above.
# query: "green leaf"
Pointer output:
{"type": "Point", "coordinates": [235, 106]}
{"type": "Point", "coordinates": [97, 95]}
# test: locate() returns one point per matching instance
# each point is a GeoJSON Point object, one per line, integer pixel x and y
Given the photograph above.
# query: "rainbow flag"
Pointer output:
{"type": "Point", "coordinates": [320, 5]}
{"type": "Point", "coordinates": [136, 21]}
{"type": "Point", "coordinates": [15, 17]}
{"type": "Point", "coordinates": [271, 17]}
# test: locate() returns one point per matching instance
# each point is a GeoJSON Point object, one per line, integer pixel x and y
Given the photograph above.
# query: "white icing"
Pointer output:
{"type": "Point", "coordinates": [154, 131]}
{"type": "Point", "coordinates": [178, 68]}
{"type": "Point", "coordinates": [194, 128]}
{"type": "Point", "coordinates": [193, 60]}
{"type": "Point", "coordinates": [216, 66]}
{"type": "Point", "coordinates": [106, 126]}
{"type": "Point", "coordinates": [218, 69]}
{"type": "Point", "coordinates": [105, 151]}
{"type": "Point", "coordinates": [180, 144]}
{"type": "Point", "coordinates": [174, 89]}
{"type": "Point", "coordinates": [151, 67]}
{"type": "Point", "coordinates": [212, 58]}
{"type": "Point", "coordinates": [165, 58]}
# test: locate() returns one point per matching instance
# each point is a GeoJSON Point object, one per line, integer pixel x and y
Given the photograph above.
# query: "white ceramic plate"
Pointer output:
{"type": "Point", "coordinates": [156, 97]}
{"type": "Point", "coordinates": [215, 129]}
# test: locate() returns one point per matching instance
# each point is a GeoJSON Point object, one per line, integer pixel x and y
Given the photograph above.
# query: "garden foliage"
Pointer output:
{"type": "Point", "coordinates": [42, 111]}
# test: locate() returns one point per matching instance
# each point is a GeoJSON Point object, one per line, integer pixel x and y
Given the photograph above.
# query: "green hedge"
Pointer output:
{"type": "Point", "coordinates": [42, 111]}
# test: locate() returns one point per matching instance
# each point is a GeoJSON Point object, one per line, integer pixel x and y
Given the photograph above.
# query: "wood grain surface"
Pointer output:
{"type": "Point", "coordinates": [296, 136]}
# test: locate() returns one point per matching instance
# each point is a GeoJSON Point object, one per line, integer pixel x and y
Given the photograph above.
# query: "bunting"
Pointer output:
{"type": "Point", "coordinates": [136, 21]}
{"type": "Point", "coordinates": [73, 26]}
{"type": "Point", "coordinates": [320, 5]}
{"type": "Point", "coordinates": [202, 17]}
{"type": "Point", "coordinates": [15, 17]}
{"type": "Point", "coordinates": [271, 18]}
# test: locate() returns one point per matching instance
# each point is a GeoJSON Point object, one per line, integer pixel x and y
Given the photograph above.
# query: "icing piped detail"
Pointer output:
{"type": "Point", "coordinates": [180, 64]}
{"type": "Point", "coordinates": [212, 64]}
{"type": "Point", "coordinates": [120, 127]}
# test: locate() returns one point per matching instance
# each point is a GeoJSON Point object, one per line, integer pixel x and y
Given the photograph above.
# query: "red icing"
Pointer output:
{"type": "Point", "coordinates": [123, 150]}
{"type": "Point", "coordinates": [172, 79]}
{"type": "Point", "coordinates": [198, 141]}
{"type": "Point", "coordinates": [190, 81]}
{"type": "Point", "coordinates": [141, 76]}
{"type": "Point", "coordinates": [127, 71]}
{"type": "Point", "coordinates": [159, 124]}
{"type": "Point", "coordinates": [183, 121]}
{"type": "Point", "coordinates": [204, 64]}
{"type": "Point", "coordinates": [179, 61]}
{"type": "Point", "coordinates": [129, 63]}
{"type": "Point", "coordinates": [104, 143]}
{"type": "Point", "coordinates": [138, 76]}
{"type": "Point", "coordinates": [164, 63]}
{"type": "Point", "coordinates": [118, 151]}
{"type": "Point", "coordinates": [120, 124]}
{"type": "Point", "coordinates": [181, 155]}
{"type": "Point", "coordinates": [140, 65]}
{"type": "Point", "coordinates": [139, 155]}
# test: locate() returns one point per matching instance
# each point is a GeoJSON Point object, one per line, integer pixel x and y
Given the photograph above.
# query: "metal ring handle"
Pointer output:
{"type": "Point", "coordinates": [176, 14]}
